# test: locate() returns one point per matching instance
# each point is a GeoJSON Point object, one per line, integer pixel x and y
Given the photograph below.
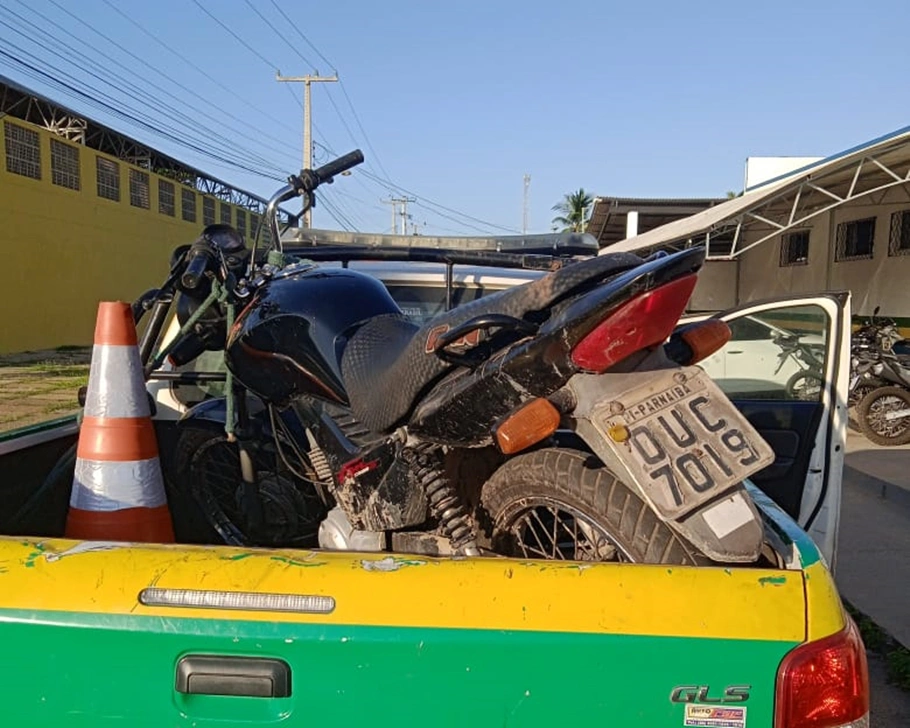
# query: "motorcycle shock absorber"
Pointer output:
{"type": "Point", "coordinates": [445, 503]}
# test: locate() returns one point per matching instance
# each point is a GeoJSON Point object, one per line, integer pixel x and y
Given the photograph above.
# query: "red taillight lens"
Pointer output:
{"type": "Point", "coordinates": [824, 684]}
{"type": "Point", "coordinates": [643, 321]}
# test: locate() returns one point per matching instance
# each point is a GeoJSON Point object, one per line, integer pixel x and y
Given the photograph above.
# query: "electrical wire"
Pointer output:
{"type": "Point", "coordinates": [203, 72]}
{"type": "Point", "coordinates": [237, 37]}
{"type": "Point", "coordinates": [341, 84]}
{"type": "Point", "coordinates": [280, 35]}
{"type": "Point", "coordinates": [204, 112]}
{"type": "Point", "coordinates": [54, 80]}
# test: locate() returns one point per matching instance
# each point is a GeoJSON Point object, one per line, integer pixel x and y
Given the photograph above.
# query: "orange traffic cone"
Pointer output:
{"type": "Point", "coordinates": [118, 491]}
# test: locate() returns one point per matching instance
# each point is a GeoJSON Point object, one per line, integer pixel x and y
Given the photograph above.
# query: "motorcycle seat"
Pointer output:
{"type": "Point", "coordinates": [389, 362]}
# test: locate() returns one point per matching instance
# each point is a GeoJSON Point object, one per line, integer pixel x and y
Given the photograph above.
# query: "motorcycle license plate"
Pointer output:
{"type": "Point", "coordinates": [681, 439]}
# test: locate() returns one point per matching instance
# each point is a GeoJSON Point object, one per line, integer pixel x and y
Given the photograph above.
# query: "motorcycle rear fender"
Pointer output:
{"type": "Point", "coordinates": [742, 544]}
{"type": "Point", "coordinates": [462, 408]}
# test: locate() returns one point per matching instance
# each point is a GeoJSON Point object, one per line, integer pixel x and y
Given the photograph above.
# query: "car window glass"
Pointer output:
{"type": "Point", "coordinates": [749, 328]}
{"type": "Point", "coordinates": [420, 303]}
{"type": "Point", "coordinates": [777, 353]}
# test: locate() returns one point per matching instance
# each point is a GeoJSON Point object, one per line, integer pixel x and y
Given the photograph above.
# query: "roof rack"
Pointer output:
{"type": "Point", "coordinates": [555, 244]}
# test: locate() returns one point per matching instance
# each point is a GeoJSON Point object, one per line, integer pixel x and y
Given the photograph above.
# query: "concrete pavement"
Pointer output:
{"type": "Point", "coordinates": [873, 559]}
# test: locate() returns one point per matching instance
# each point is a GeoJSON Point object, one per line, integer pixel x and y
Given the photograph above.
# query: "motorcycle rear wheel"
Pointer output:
{"type": "Point", "coordinates": [558, 503]}
{"type": "Point", "coordinates": [805, 386]}
{"type": "Point", "coordinates": [871, 413]}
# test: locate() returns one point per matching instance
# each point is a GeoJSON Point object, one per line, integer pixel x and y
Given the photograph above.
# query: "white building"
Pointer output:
{"type": "Point", "coordinates": [838, 223]}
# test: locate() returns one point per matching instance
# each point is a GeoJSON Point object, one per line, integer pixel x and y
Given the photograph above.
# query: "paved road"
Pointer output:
{"type": "Point", "coordinates": [873, 562]}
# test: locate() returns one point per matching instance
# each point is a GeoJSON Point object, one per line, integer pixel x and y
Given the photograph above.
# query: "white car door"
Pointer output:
{"type": "Point", "coordinates": [807, 434]}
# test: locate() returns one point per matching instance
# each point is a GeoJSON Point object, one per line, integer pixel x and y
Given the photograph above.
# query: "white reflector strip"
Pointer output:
{"type": "Point", "coordinates": [103, 485]}
{"type": "Point", "coordinates": [116, 384]}
{"type": "Point", "coordinates": [246, 601]}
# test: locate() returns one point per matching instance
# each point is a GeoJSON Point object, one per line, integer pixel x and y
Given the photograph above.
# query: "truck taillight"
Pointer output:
{"type": "Point", "coordinates": [643, 321]}
{"type": "Point", "coordinates": [824, 684]}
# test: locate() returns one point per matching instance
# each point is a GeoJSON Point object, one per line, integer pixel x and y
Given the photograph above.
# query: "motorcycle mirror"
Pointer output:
{"type": "Point", "coordinates": [224, 237]}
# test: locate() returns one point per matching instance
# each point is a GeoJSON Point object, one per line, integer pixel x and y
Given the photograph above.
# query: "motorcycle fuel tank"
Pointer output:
{"type": "Point", "coordinates": [288, 341]}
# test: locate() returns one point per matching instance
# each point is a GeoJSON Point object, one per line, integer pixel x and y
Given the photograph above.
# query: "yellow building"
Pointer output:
{"type": "Point", "coordinates": [90, 214]}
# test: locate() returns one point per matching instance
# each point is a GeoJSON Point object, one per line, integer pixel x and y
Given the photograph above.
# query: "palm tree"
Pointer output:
{"type": "Point", "coordinates": [575, 210]}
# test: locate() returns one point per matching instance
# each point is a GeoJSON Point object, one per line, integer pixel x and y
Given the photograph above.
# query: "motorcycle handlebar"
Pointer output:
{"type": "Point", "coordinates": [303, 184]}
{"type": "Point", "coordinates": [337, 166]}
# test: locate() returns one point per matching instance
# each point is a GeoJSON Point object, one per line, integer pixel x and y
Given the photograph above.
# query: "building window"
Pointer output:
{"type": "Point", "coordinates": [64, 165]}
{"type": "Point", "coordinates": [855, 239]}
{"type": "Point", "coordinates": [139, 189]}
{"type": "Point", "coordinates": [899, 243]}
{"type": "Point", "coordinates": [208, 211]}
{"type": "Point", "coordinates": [794, 248]}
{"type": "Point", "coordinates": [241, 221]}
{"type": "Point", "coordinates": [23, 151]}
{"type": "Point", "coordinates": [254, 224]}
{"type": "Point", "coordinates": [108, 179]}
{"type": "Point", "coordinates": [225, 213]}
{"type": "Point", "coordinates": [188, 204]}
{"type": "Point", "coordinates": [166, 197]}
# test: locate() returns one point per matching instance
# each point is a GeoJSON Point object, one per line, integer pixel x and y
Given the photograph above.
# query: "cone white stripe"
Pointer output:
{"type": "Point", "coordinates": [130, 484]}
{"type": "Point", "coordinates": [116, 384]}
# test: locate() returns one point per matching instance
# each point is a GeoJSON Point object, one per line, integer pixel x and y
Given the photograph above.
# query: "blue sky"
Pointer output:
{"type": "Point", "coordinates": [460, 100]}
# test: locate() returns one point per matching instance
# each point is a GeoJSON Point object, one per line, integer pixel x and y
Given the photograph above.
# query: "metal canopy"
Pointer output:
{"type": "Point", "coordinates": [871, 170]}
{"type": "Point", "coordinates": [609, 215]}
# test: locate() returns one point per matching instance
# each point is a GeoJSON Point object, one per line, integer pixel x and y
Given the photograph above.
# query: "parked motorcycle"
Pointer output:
{"type": "Point", "coordinates": [560, 419]}
{"type": "Point", "coordinates": [807, 383]}
{"type": "Point", "coordinates": [884, 411]}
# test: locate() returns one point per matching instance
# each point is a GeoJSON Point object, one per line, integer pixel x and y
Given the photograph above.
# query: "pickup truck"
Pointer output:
{"type": "Point", "coordinates": [117, 634]}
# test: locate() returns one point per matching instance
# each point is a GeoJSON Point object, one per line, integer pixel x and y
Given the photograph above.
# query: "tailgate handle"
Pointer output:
{"type": "Point", "coordinates": [252, 677]}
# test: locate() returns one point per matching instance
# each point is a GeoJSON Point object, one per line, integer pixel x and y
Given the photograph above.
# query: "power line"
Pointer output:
{"type": "Point", "coordinates": [390, 187]}
{"type": "Point", "coordinates": [344, 90]}
{"type": "Point", "coordinates": [337, 215]}
{"type": "Point", "coordinates": [55, 81]}
{"type": "Point", "coordinates": [386, 183]}
{"type": "Point", "coordinates": [307, 81]}
{"type": "Point", "coordinates": [279, 34]}
{"type": "Point", "coordinates": [300, 33]}
{"type": "Point", "coordinates": [229, 142]}
{"type": "Point", "coordinates": [362, 130]}
{"type": "Point", "coordinates": [237, 37]}
{"type": "Point", "coordinates": [443, 207]}
{"type": "Point", "coordinates": [202, 71]}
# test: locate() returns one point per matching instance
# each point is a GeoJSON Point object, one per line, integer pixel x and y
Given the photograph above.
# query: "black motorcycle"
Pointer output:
{"type": "Point", "coordinates": [560, 419]}
{"type": "Point", "coordinates": [883, 355]}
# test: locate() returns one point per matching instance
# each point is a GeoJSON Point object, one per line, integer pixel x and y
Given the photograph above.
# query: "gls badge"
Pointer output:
{"type": "Point", "coordinates": [702, 694]}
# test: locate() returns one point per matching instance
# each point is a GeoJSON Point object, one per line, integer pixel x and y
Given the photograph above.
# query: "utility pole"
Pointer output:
{"type": "Point", "coordinates": [524, 216]}
{"type": "Point", "coordinates": [307, 121]}
{"type": "Point", "coordinates": [401, 213]}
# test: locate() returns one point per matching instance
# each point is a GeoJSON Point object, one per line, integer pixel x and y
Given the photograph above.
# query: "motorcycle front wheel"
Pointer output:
{"type": "Point", "coordinates": [872, 413]}
{"type": "Point", "coordinates": [207, 467]}
{"type": "Point", "coordinates": [563, 504]}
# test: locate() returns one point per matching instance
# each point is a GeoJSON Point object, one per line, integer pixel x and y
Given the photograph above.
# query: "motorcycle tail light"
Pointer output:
{"type": "Point", "coordinates": [526, 426]}
{"type": "Point", "coordinates": [824, 684]}
{"type": "Point", "coordinates": [640, 322]}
